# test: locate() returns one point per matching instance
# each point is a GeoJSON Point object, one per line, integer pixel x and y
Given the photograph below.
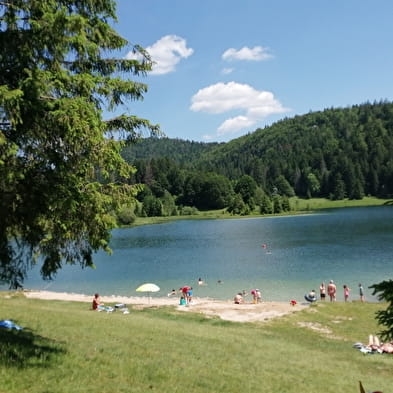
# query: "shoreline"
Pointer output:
{"type": "Point", "coordinates": [226, 310]}
{"type": "Point", "coordinates": [307, 207]}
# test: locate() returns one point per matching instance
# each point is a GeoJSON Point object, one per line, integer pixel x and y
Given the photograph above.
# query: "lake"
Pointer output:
{"type": "Point", "coordinates": [284, 257]}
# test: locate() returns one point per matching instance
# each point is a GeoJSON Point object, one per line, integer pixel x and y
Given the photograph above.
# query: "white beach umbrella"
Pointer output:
{"type": "Point", "coordinates": [148, 287]}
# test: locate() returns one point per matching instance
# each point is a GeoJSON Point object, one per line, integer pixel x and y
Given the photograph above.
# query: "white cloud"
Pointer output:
{"type": "Point", "coordinates": [166, 53]}
{"type": "Point", "coordinates": [234, 124]}
{"type": "Point", "coordinates": [224, 97]}
{"type": "Point", "coordinates": [227, 71]}
{"type": "Point", "coordinates": [258, 53]}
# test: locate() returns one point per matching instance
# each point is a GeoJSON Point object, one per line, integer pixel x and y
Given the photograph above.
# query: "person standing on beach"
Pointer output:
{"type": "Point", "coordinates": [322, 291]}
{"type": "Point", "coordinates": [184, 290]}
{"type": "Point", "coordinates": [254, 296]}
{"type": "Point", "coordinates": [361, 292]}
{"type": "Point", "coordinates": [346, 293]}
{"type": "Point", "coordinates": [332, 291]}
{"type": "Point", "coordinates": [258, 295]}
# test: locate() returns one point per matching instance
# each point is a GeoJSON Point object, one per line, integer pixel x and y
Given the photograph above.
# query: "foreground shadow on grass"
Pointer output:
{"type": "Point", "coordinates": [23, 348]}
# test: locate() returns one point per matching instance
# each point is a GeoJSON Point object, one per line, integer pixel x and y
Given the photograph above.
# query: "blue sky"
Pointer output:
{"type": "Point", "coordinates": [225, 68]}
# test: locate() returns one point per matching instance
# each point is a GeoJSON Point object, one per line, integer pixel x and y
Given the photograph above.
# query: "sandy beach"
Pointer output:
{"type": "Point", "coordinates": [226, 310]}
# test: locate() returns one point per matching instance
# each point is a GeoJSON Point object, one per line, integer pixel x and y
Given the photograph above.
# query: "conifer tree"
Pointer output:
{"type": "Point", "coordinates": [384, 292]}
{"type": "Point", "coordinates": [60, 70]}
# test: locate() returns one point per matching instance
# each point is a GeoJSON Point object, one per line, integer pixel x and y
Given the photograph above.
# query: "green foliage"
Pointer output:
{"type": "Point", "coordinates": [126, 215]}
{"type": "Point", "coordinates": [277, 204]}
{"type": "Point", "coordinates": [384, 290]}
{"type": "Point", "coordinates": [152, 206]}
{"type": "Point", "coordinates": [144, 192]}
{"type": "Point", "coordinates": [351, 143]}
{"type": "Point", "coordinates": [335, 154]}
{"type": "Point", "coordinates": [237, 205]}
{"type": "Point", "coordinates": [283, 186]}
{"type": "Point", "coordinates": [266, 206]}
{"type": "Point", "coordinates": [168, 204]}
{"type": "Point", "coordinates": [338, 188]}
{"type": "Point", "coordinates": [180, 151]}
{"type": "Point", "coordinates": [188, 211]}
{"type": "Point", "coordinates": [313, 185]}
{"type": "Point", "coordinates": [246, 187]}
{"type": "Point", "coordinates": [206, 191]}
{"type": "Point", "coordinates": [60, 176]}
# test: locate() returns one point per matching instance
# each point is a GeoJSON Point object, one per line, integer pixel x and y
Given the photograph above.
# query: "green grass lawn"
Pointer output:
{"type": "Point", "coordinates": [65, 347]}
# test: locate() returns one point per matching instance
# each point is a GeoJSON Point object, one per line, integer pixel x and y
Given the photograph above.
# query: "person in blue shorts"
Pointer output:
{"type": "Point", "coordinates": [189, 295]}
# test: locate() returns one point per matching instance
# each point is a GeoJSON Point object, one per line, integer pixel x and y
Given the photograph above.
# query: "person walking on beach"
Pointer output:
{"type": "Point", "coordinates": [361, 292]}
{"type": "Point", "coordinates": [322, 291]}
{"type": "Point", "coordinates": [346, 293]}
{"type": "Point", "coordinates": [332, 291]}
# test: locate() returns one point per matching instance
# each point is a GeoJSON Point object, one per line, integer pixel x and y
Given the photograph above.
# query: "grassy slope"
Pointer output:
{"type": "Point", "coordinates": [65, 347]}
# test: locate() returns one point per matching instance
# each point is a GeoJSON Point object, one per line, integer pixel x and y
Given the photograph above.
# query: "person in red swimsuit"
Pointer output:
{"type": "Point", "coordinates": [96, 301]}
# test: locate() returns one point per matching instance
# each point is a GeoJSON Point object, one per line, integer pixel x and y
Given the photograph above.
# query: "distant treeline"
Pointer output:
{"type": "Point", "coordinates": [336, 154]}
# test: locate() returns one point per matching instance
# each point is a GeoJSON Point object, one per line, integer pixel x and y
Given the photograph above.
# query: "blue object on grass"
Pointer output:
{"type": "Point", "coordinates": [6, 323]}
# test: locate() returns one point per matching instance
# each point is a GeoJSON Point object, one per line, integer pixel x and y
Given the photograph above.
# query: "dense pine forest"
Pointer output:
{"type": "Point", "coordinates": [336, 153]}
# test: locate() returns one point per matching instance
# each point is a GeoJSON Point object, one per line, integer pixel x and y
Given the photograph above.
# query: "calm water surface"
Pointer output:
{"type": "Point", "coordinates": [346, 245]}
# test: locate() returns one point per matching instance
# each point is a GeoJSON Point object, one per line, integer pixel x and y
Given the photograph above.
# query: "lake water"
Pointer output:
{"type": "Point", "coordinates": [348, 246]}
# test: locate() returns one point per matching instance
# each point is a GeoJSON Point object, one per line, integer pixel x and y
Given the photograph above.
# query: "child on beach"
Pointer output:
{"type": "Point", "coordinates": [361, 292]}
{"type": "Point", "coordinates": [346, 293]}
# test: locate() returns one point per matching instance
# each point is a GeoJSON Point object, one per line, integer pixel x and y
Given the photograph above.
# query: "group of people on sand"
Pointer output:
{"type": "Point", "coordinates": [255, 293]}
{"type": "Point", "coordinates": [331, 291]}
{"type": "Point", "coordinates": [185, 292]}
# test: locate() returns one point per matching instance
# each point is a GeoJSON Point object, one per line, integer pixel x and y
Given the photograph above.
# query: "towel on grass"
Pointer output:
{"type": "Point", "coordinates": [6, 323]}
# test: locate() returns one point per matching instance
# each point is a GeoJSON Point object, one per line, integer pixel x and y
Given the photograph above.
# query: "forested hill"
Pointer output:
{"type": "Point", "coordinates": [180, 151]}
{"type": "Point", "coordinates": [333, 153]}
{"type": "Point", "coordinates": [349, 148]}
